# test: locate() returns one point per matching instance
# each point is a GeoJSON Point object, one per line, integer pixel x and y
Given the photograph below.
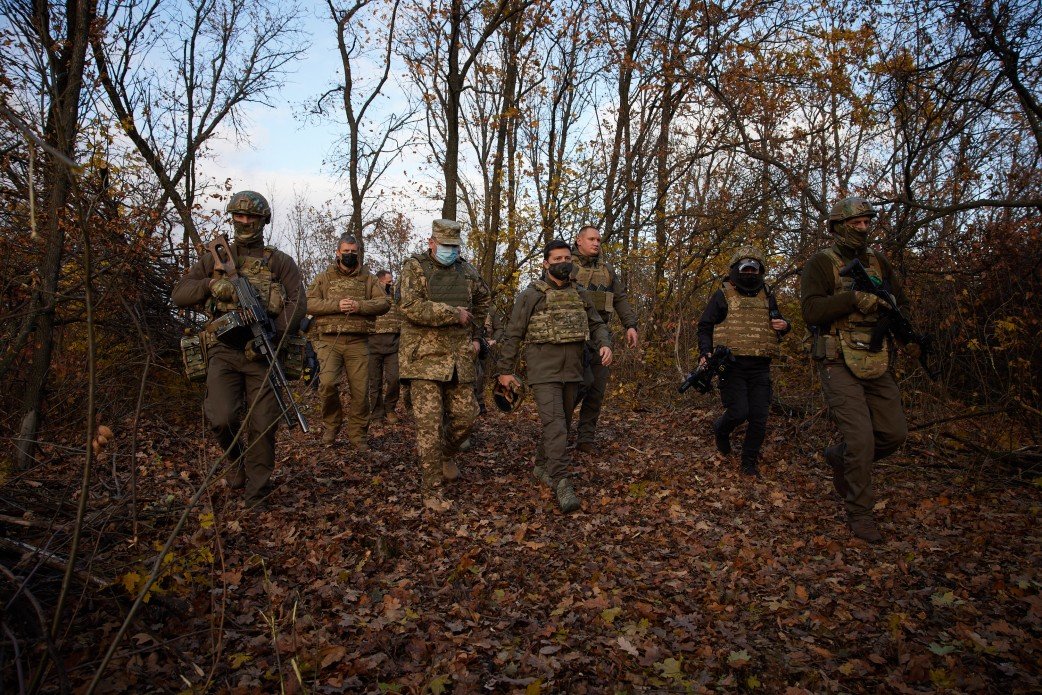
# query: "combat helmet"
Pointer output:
{"type": "Point", "coordinates": [508, 399]}
{"type": "Point", "coordinates": [749, 251]}
{"type": "Point", "coordinates": [849, 208]}
{"type": "Point", "coordinates": [250, 203]}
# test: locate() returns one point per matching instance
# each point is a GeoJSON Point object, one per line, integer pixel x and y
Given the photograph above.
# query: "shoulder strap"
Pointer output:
{"type": "Point", "coordinates": [541, 285]}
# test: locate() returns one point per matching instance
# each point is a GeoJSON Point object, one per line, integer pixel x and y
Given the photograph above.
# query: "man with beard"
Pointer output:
{"type": "Point", "coordinates": [236, 376]}
{"type": "Point", "coordinates": [860, 390]}
{"type": "Point", "coordinates": [743, 316]}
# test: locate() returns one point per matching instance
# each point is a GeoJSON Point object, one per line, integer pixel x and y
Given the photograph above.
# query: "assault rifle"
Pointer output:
{"type": "Point", "coordinates": [893, 321]}
{"type": "Point", "coordinates": [252, 314]}
{"type": "Point", "coordinates": [702, 378]}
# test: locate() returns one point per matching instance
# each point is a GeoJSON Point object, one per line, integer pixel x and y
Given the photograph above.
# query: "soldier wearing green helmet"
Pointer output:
{"type": "Point", "coordinates": [862, 396]}
{"type": "Point", "coordinates": [743, 316]}
{"type": "Point", "coordinates": [236, 377]}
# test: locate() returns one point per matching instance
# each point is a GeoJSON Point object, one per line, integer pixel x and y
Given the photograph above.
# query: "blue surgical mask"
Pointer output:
{"type": "Point", "coordinates": [446, 255]}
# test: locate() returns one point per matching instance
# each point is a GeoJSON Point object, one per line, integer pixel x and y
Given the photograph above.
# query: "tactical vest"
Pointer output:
{"type": "Point", "coordinates": [257, 271]}
{"type": "Point", "coordinates": [597, 280]}
{"type": "Point", "coordinates": [747, 327]}
{"type": "Point", "coordinates": [391, 322]}
{"type": "Point", "coordinates": [446, 285]}
{"type": "Point", "coordinates": [853, 332]}
{"type": "Point", "coordinates": [563, 319]}
{"type": "Point", "coordinates": [341, 286]}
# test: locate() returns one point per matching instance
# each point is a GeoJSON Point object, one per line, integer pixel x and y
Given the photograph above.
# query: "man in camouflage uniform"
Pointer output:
{"type": "Point", "coordinates": [743, 316]}
{"type": "Point", "coordinates": [443, 303]}
{"type": "Point", "coordinates": [383, 357]}
{"type": "Point", "coordinates": [344, 300]}
{"type": "Point", "coordinates": [555, 319]}
{"type": "Point", "coordinates": [602, 285]}
{"type": "Point", "coordinates": [860, 390]}
{"type": "Point", "coordinates": [236, 377]}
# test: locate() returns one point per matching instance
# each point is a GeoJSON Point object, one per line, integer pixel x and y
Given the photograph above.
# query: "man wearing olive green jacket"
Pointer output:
{"type": "Point", "coordinates": [344, 300]}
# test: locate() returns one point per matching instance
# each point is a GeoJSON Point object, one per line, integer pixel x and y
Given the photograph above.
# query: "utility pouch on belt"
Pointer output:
{"type": "Point", "coordinates": [225, 323]}
{"type": "Point", "coordinates": [193, 353]}
{"type": "Point", "coordinates": [291, 356]}
{"type": "Point", "coordinates": [863, 363]}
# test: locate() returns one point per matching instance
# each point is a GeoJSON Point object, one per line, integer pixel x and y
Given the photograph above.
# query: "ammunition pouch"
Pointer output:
{"type": "Point", "coordinates": [292, 357]}
{"type": "Point", "coordinates": [193, 355]}
{"type": "Point", "coordinates": [602, 300]}
{"type": "Point", "coordinates": [226, 322]}
{"type": "Point", "coordinates": [824, 347]}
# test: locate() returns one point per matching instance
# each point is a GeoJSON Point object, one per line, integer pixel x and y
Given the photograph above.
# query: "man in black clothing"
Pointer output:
{"type": "Point", "coordinates": [743, 316]}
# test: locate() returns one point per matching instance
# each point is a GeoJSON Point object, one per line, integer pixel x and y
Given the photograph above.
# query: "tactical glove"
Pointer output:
{"type": "Point", "coordinates": [867, 302]}
{"type": "Point", "coordinates": [223, 289]}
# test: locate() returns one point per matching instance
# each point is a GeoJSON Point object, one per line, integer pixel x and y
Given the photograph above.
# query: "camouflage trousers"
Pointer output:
{"type": "Point", "coordinates": [339, 355]}
{"type": "Point", "coordinates": [871, 422]}
{"type": "Point", "coordinates": [237, 386]}
{"type": "Point", "coordinates": [444, 412]}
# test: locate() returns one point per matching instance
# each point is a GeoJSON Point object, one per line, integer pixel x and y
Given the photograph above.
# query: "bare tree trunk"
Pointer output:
{"type": "Point", "coordinates": [67, 58]}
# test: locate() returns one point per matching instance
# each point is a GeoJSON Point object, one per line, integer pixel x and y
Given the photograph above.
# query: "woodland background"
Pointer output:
{"type": "Point", "coordinates": [684, 130]}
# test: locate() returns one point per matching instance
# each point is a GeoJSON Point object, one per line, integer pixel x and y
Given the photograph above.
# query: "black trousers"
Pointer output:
{"type": "Point", "coordinates": [745, 389]}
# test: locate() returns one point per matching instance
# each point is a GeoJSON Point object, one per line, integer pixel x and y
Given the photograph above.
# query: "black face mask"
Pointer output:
{"type": "Point", "coordinates": [747, 282]}
{"type": "Point", "coordinates": [561, 271]}
{"type": "Point", "coordinates": [349, 260]}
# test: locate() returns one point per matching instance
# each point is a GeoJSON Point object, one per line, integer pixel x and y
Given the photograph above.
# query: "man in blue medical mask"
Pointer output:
{"type": "Point", "coordinates": [443, 302]}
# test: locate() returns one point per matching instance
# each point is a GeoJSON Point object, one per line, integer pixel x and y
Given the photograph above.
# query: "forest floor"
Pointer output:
{"type": "Point", "coordinates": [677, 575]}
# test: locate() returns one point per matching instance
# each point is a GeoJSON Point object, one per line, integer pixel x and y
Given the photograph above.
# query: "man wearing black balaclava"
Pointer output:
{"type": "Point", "coordinates": [862, 394]}
{"type": "Point", "coordinates": [237, 385]}
{"type": "Point", "coordinates": [743, 316]}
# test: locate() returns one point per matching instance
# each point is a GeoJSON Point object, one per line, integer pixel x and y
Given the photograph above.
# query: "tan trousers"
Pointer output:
{"type": "Point", "coordinates": [344, 354]}
{"type": "Point", "coordinates": [871, 422]}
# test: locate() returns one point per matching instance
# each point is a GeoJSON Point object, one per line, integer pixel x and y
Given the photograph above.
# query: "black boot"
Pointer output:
{"type": "Point", "coordinates": [723, 441]}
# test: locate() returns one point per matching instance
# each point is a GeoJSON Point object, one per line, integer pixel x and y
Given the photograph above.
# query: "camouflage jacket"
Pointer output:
{"type": "Point", "coordinates": [324, 301]}
{"type": "Point", "coordinates": [193, 289]}
{"type": "Point", "coordinates": [603, 287]}
{"type": "Point", "coordinates": [433, 344]}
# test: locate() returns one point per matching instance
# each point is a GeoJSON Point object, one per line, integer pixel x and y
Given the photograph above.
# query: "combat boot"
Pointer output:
{"type": "Point", "coordinates": [465, 445]}
{"type": "Point", "coordinates": [586, 447]}
{"type": "Point", "coordinates": [329, 436]}
{"type": "Point", "coordinates": [540, 474]}
{"type": "Point", "coordinates": [449, 470]}
{"type": "Point", "coordinates": [864, 527]}
{"type": "Point", "coordinates": [361, 446]}
{"type": "Point", "coordinates": [749, 468]}
{"type": "Point", "coordinates": [391, 419]}
{"type": "Point", "coordinates": [723, 441]}
{"type": "Point", "coordinates": [566, 498]}
{"type": "Point", "coordinates": [834, 457]}
{"type": "Point", "coordinates": [236, 477]}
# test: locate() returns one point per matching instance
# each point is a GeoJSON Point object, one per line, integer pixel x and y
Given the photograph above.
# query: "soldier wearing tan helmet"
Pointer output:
{"type": "Point", "coordinates": [860, 390]}
{"type": "Point", "coordinates": [743, 316]}
{"type": "Point", "coordinates": [443, 302]}
{"type": "Point", "coordinates": [345, 299]}
{"type": "Point", "coordinates": [235, 375]}
{"type": "Point", "coordinates": [554, 319]}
